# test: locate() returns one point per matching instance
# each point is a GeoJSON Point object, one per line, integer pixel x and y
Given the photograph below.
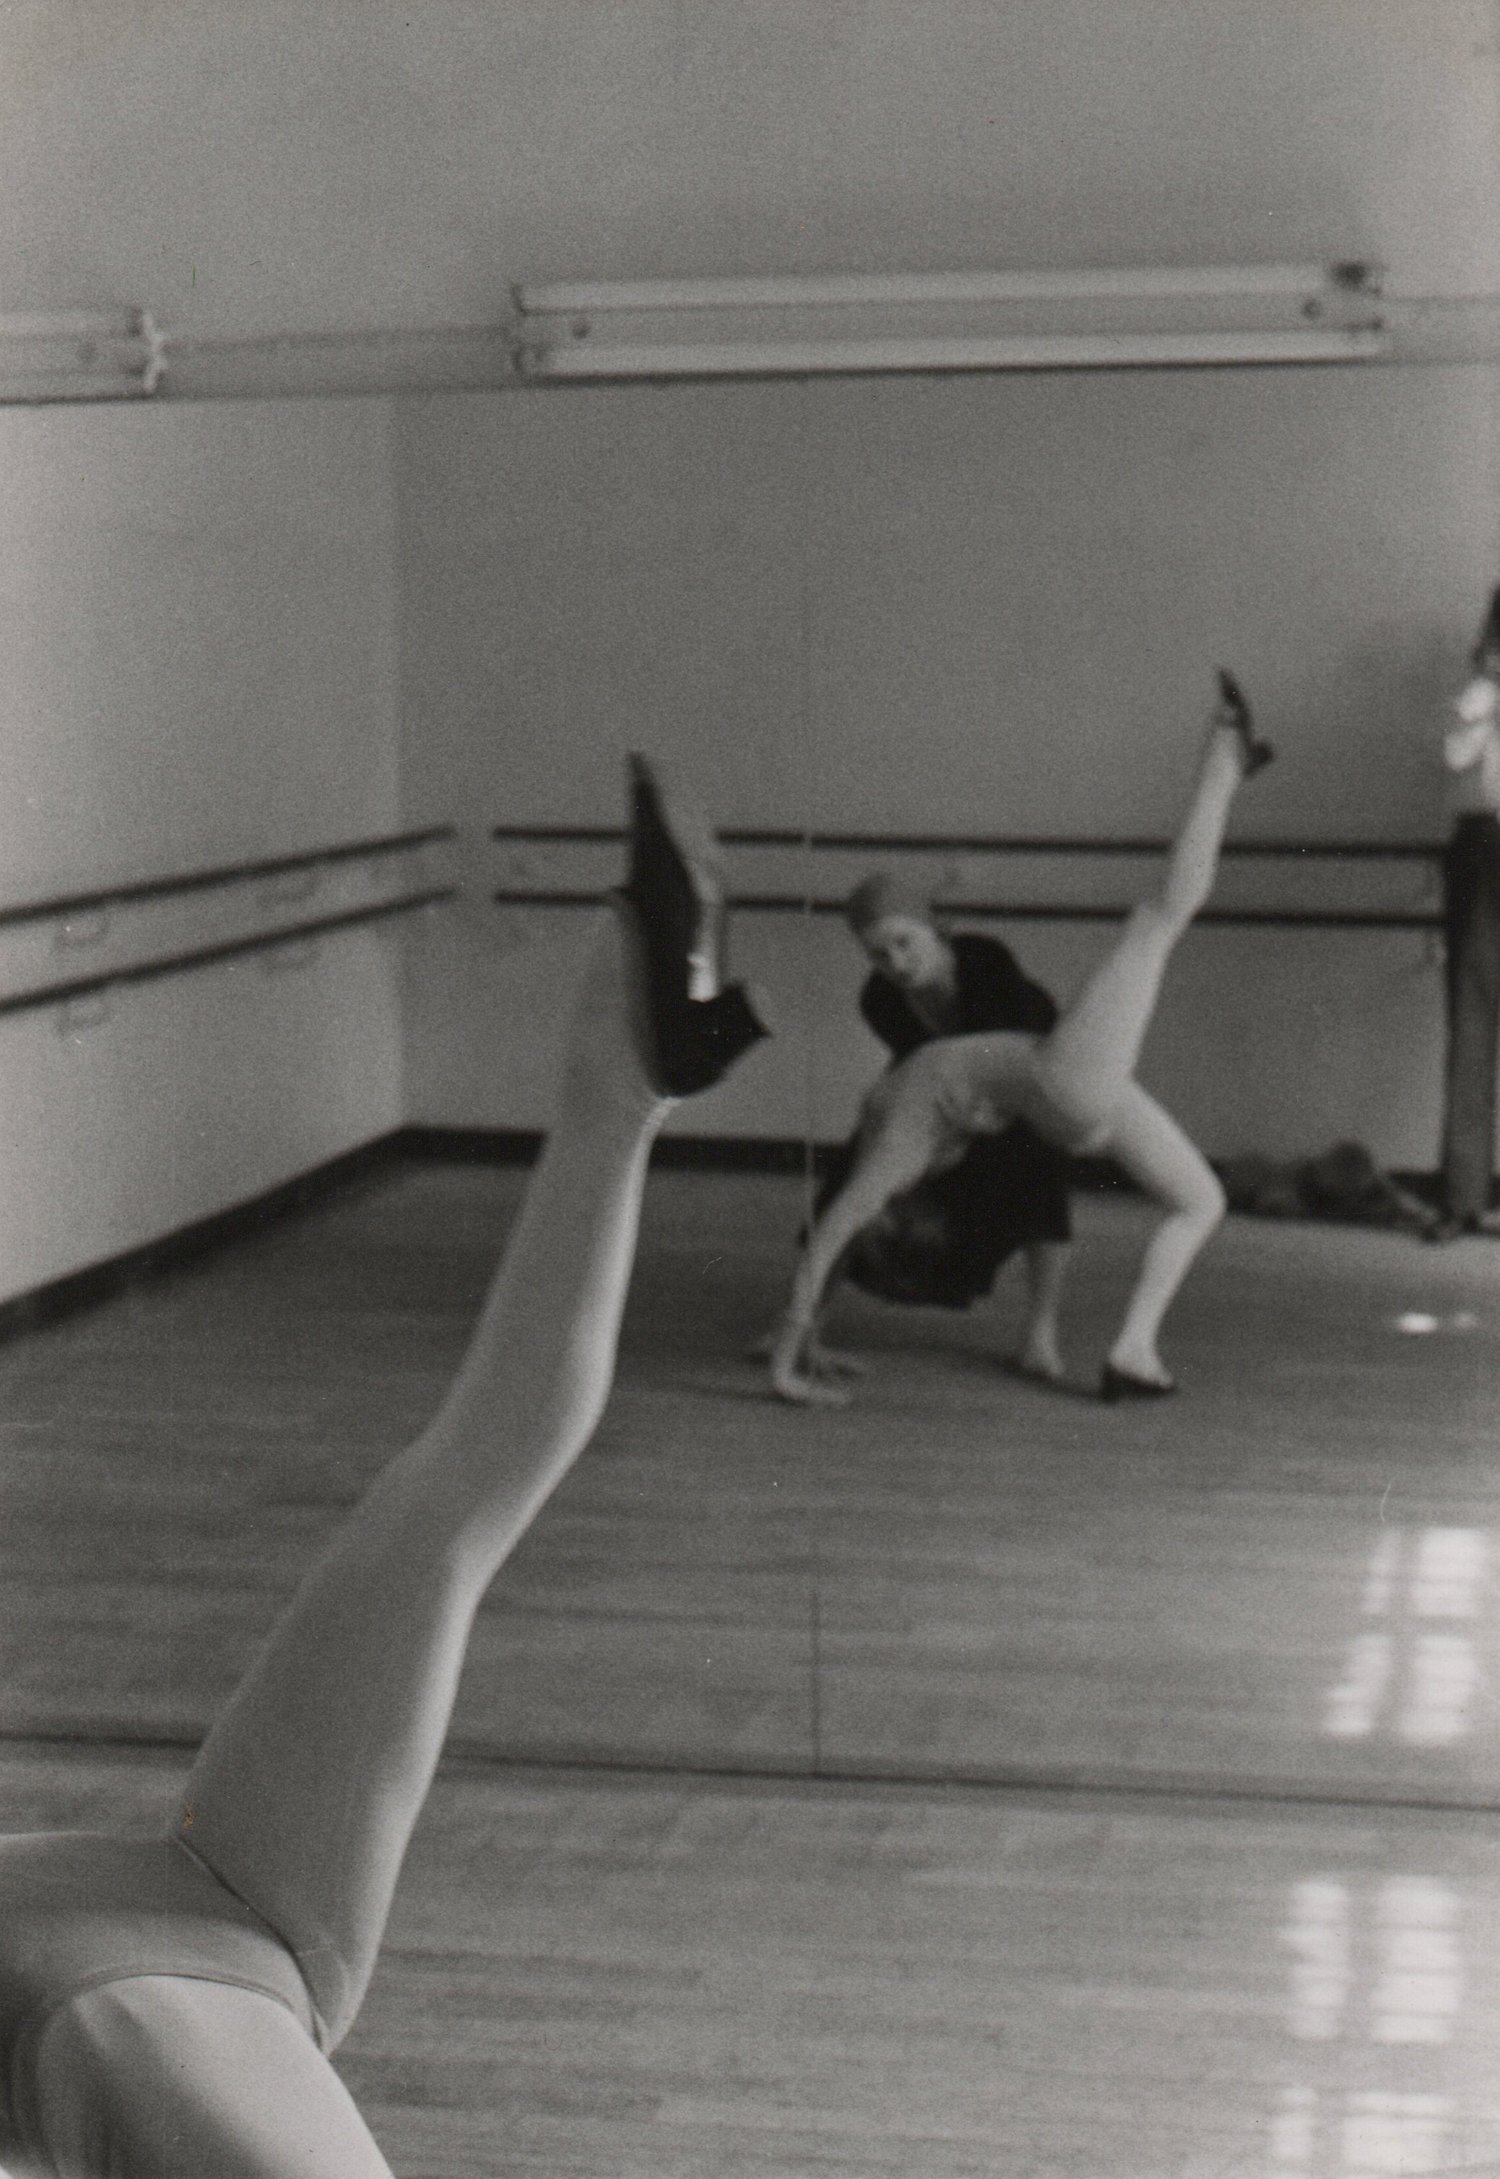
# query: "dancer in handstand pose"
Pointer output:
{"type": "Point", "coordinates": [166, 2006]}
{"type": "Point", "coordinates": [1075, 1086]}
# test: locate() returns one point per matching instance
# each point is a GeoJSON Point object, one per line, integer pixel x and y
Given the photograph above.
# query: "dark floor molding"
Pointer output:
{"type": "Point", "coordinates": [84, 1289]}
{"type": "Point", "coordinates": [746, 1154]}
{"type": "Point", "coordinates": [370, 1161]}
{"type": "Point", "coordinates": [672, 1153]}
{"type": "Point", "coordinates": [677, 1153]}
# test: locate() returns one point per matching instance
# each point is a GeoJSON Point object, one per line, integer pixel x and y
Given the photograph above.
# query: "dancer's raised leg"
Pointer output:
{"type": "Point", "coordinates": [1092, 1053]}
{"type": "Point", "coordinates": [305, 1793]}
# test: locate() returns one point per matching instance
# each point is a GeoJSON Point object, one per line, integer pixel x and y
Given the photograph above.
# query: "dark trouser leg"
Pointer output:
{"type": "Point", "coordinates": [1471, 872]}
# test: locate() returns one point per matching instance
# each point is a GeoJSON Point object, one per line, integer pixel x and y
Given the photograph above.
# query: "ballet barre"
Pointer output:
{"type": "Point", "coordinates": [137, 891]}
{"type": "Point", "coordinates": [558, 876]}
{"type": "Point", "coordinates": [986, 843]}
{"type": "Point", "coordinates": [66, 991]}
{"type": "Point", "coordinates": [1328, 919]}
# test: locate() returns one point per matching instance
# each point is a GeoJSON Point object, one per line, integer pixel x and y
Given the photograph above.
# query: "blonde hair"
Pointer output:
{"type": "Point", "coordinates": [876, 897]}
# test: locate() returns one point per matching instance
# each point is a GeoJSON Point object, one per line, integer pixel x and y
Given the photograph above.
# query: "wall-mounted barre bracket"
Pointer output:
{"type": "Point", "coordinates": [102, 354]}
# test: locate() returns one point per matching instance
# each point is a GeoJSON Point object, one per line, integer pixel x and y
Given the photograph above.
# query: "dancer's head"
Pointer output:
{"type": "Point", "coordinates": [894, 924]}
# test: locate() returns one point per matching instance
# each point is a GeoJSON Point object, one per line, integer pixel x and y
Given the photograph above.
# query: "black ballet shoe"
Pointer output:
{"type": "Point", "coordinates": [1118, 1384]}
{"type": "Point", "coordinates": [1255, 754]}
{"type": "Point", "coordinates": [1032, 1373]}
{"type": "Point", "coordinates": [1443, 1229]}
{"type": "Point", "coordinates": [1449, 1227]}
{"type": "Point", "coordinates": [677, 904]}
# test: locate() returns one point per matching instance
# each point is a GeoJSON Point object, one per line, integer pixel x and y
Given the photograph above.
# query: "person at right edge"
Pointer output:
{"type": "Point", "coordinates": [1471, 916]}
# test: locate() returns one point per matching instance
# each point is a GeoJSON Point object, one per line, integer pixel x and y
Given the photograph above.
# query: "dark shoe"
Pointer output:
{"type": "Point", "coordinates": [1450, 1228]}
{"type": "Point", "coordinates": [676, 898]}
{"type": "Point", "coordinates": [1255, 753]}
{"type": "Point", "coordinates": [1118, 1384]}
{"type": "Point", "coordinates": [1030, 1373]}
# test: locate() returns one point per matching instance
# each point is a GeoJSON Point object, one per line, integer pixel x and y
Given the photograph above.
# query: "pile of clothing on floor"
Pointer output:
{"type": "Point", "coordinates": [1343, 1184]}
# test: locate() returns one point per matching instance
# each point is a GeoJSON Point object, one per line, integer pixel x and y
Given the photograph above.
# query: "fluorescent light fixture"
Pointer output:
{"type": "Point", "coordinates": [845, 289]}
{"type": "Point", "coordinates": [1037, 352]}
{"type": "Point", "coordinates": [79, 355]}
{"type": "Point", "coordinates": [1161, 317]}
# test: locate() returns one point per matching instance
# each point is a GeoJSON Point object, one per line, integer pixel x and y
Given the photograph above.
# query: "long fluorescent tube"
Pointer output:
{"type": "Point", "coordinates": [79, 355]}
{"type": "Point", "coordinates": [831, 291]}
{"type": "Point", "coordinates": [1106, 319]}
{"type": "Point", "coordinates": [1060, 352]}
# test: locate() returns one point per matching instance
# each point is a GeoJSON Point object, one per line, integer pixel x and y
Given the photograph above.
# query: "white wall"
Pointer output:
{"type": "Point", "coordinates": [196, 667]}
{"type": "Point", "coordinates": [973, 604]}
{"type": "Point", "coordinates": [978, 605]}
{"type": "Point", "coordinates": [253, 165]}
{"type": "Point", "coordinates": [901, 605]}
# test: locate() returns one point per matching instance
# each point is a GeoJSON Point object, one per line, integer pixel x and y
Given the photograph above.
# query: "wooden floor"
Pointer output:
{"type": "Point", "coordinates": [978, 1781]}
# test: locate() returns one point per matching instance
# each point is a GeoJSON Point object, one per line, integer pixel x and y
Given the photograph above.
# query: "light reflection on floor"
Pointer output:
{"type": "Point", "coordinates": [1420, 1682]}
{"type": "Point", "coordinates": [1378, 1965]}
{"type": "Point", "coordinates": [1385, 1966]}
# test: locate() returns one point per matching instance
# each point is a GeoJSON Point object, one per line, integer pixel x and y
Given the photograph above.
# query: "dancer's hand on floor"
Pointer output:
{"type": "Point", "coordinates": [795, 1370]}
{"type": "Point", "coordinates": [805, 1390]}
{"type": "Point", "coordinates": [819, 1360]}
{"type": "Point", "coordinates": [833, 1361]}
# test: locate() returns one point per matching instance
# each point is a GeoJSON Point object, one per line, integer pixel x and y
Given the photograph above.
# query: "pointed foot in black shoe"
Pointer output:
{"type": "Point", "coordinates": [1255, 754]}
{"type": "Point", "coordinates": [675, 888]}
{"type": "Point", "coordinates": [697, 1044]}
{"type": "Point", "coordinates": [693, 1031]}
{"type": "Point", "coordinates": [1118, 1384]}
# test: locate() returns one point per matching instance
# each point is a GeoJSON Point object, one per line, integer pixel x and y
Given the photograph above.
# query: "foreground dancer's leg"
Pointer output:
{"type": "Point", "coordinates": [172, 2077]}
{"type": "Point", "coordinates": [306, 1791]}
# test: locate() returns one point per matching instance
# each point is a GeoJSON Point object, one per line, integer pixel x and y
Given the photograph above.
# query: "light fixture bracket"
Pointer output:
{"type": "Point", "coordinates": [80, 355]}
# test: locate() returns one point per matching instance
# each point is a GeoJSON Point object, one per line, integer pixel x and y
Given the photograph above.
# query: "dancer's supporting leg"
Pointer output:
{"type": "Point", "coordinates": [306, 1791]}
{"type": "Point", "coordinates": [1040, 1351]}
{"type": "Point", "coordinates": [1153, 1150]}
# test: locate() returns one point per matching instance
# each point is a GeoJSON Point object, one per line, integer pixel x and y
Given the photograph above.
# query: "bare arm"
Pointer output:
{"type": "Point", "coordinates": [895, 1155]}
{"type": "Point", "coordinates": [1464, 745]}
